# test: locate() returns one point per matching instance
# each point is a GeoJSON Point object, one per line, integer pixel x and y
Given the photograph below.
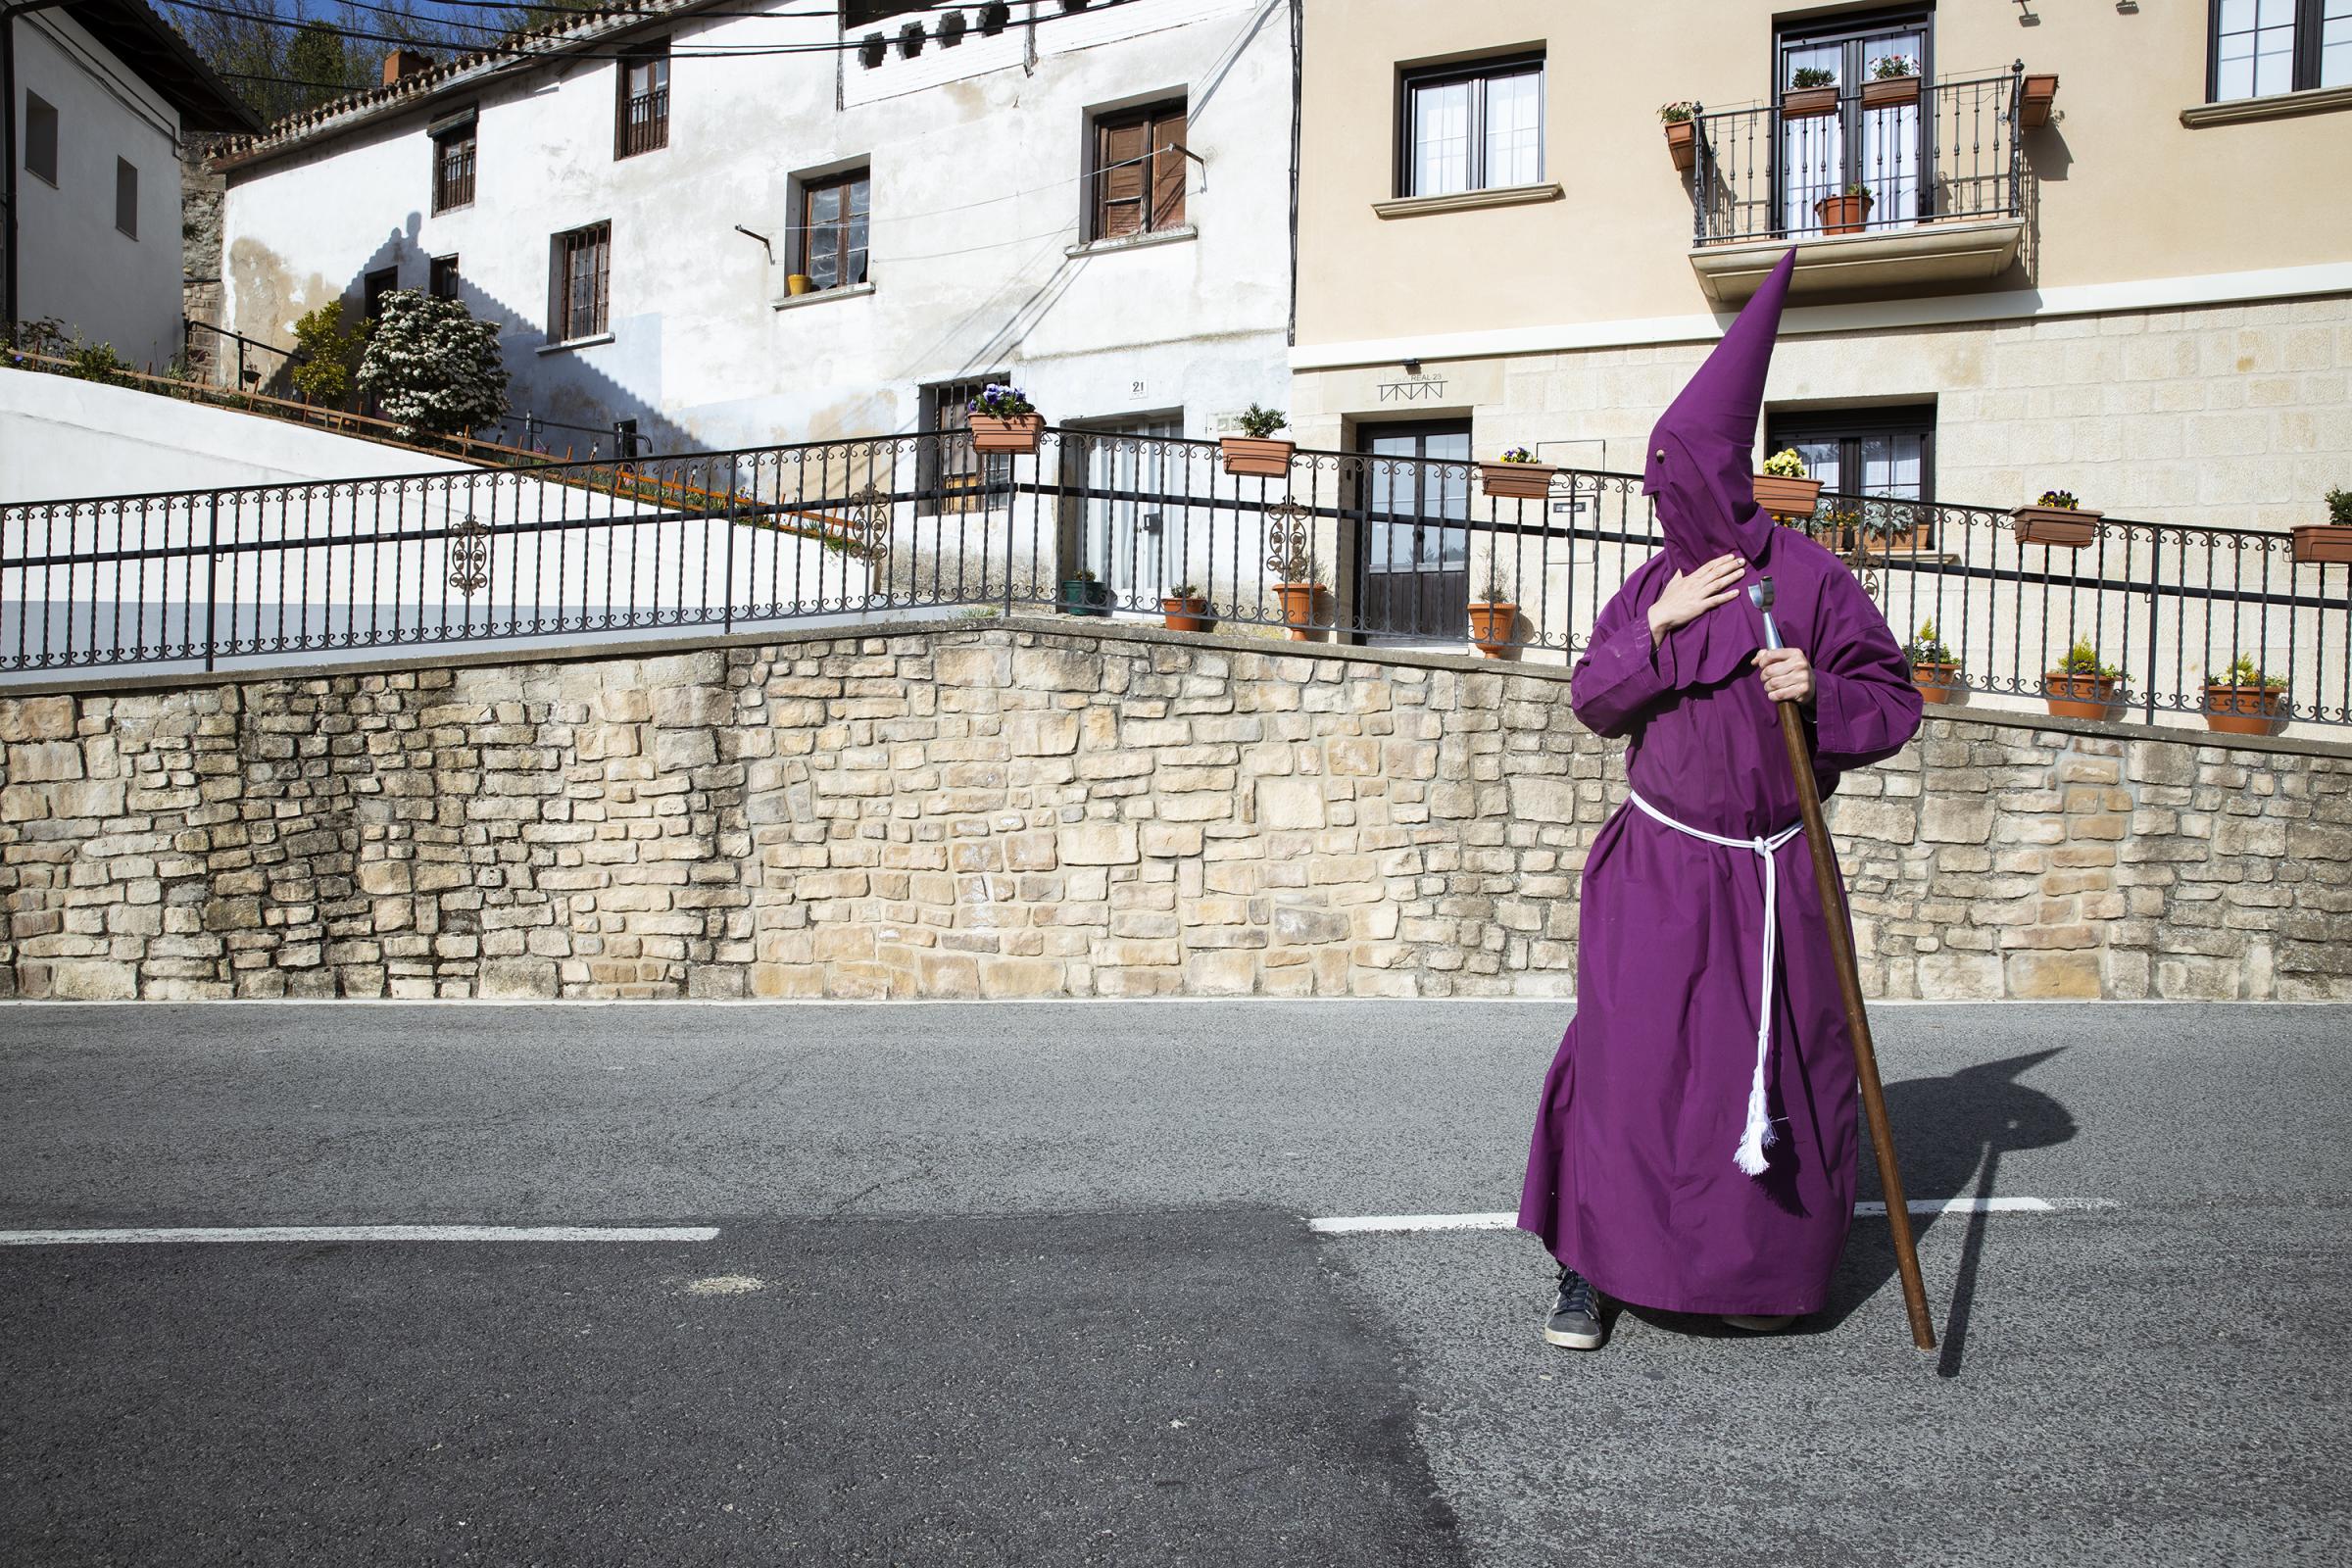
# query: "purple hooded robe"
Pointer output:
{"type": "Point", "coordinates": [1632, 1180]}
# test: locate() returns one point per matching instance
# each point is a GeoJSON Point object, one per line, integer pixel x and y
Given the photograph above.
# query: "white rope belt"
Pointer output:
{"type": "Point", "coordinates": [1757, 1135]}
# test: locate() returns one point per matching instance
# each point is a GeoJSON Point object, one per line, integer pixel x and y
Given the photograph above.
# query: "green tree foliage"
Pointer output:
{"type": "Point", "coordinates": [327, 365]}
{"type": "Point", "coordinates": [431, 367]}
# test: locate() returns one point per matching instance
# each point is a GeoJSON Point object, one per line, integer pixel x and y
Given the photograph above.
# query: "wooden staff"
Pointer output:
{"type": "Point", "coordinates": [1849, 983]}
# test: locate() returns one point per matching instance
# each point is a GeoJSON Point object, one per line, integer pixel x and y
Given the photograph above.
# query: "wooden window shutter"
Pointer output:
{"type": "Point", "coordinates": [1119, 208]}
{"type": "Point", "coordinates": [1167, 170]}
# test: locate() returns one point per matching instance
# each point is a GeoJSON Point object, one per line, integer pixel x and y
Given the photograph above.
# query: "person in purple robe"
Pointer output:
{"type": "Point", "coordinates": [1695, 1148]}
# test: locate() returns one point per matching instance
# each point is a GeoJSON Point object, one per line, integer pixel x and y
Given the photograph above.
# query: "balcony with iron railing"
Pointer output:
{"type": "Point", "coordinates": [1896, 183]}
{"type": "Point", "coordinates": [644, 124]}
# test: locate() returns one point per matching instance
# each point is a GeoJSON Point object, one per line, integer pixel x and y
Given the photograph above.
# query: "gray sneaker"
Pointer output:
{"type": "Point", "coordinates": [1575, 1319]}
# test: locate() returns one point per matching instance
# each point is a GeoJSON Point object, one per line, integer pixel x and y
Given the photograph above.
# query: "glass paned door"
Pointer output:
{"type": "Point", "coordinates": [1877, 147]}
{"type": "Point", "coordinates": [1123, 470]}
{"type": "Point", "coordinates": [1413, 569]}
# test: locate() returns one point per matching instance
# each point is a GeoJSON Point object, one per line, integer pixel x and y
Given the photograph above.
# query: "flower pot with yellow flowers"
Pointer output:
{"type": "Point", "coordinates": [2245, 700]}
{"type": "Point", "coordinates": [1782, 489]}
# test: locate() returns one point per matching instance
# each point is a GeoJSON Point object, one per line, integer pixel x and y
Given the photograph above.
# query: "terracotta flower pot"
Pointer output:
{"type": "Point", "coordinates": [1517, 481]}
{"type": "Point", "coordinates": [1185, 615]}
{"type": "Point", "coordinates": [2033, 104]}
{"type": "Point", "coordinates": [2232, 710]}
{"type": "Point", "coordinates": [1809, 103]}
{"type": "Point", "coordinates": [1938, 683]}
{"type": "Point", "coordinates": [1681, 142]}
{"type": "Point", "coordinates": [2323, 543]}
{"type": "Point", "coordinates": [1889, 92]}
{"type": "Point", "coordinates": [2065, 527]}
{"type": "Point", "coordinates": [1843, 215]}
{"type": "Point", "coordinates": [1298, 607]}
{"type": "Point", "coordinates": [1257, 456]}
{"type": "Point", "coordinates": [1492, 624]}
{"type": "Point", "coordinates": [2074, 696]}
{"type": "Point", "coordinates": [1016, 433]}
{"type": "Point", "coordinates": [1788, 498]}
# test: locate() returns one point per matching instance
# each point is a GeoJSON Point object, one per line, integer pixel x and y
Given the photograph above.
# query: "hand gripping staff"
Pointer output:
{"type": "Point", "coordinates": [1857, 1020]}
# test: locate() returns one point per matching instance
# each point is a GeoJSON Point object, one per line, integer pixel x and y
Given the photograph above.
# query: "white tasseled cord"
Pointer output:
{"type": "Point", "coordinates": [1756, 1134]}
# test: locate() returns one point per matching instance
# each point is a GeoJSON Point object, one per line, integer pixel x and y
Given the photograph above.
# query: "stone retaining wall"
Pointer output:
{"type": "Point", "coordinates": [1027, 810]}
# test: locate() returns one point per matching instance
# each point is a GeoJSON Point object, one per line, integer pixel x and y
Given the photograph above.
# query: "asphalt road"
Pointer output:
{"type": "Point", "coordinates": [1018, 1284]}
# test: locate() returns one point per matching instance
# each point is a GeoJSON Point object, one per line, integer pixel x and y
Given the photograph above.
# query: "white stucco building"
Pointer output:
{"type": "Point", "coordinates": [1089, 201]}
{"type": "Point", "coordinates": [101, 93]}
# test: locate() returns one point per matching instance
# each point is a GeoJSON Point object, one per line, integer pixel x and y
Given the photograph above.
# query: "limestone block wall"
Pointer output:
{"type": "Point", "coordinates": [1029, 808]}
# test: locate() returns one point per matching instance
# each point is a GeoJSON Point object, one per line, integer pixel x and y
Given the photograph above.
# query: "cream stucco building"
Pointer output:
{"type": "Point", "coordinates": [2145, 298]}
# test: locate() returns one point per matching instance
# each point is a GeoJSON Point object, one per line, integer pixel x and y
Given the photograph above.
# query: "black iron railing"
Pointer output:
{"type": "Point", "coordinates": [1861, 158]}
{"type": "Point", "coordinates": [644, 124]}
{"type": "Point", "coordinates": [1334, 545]}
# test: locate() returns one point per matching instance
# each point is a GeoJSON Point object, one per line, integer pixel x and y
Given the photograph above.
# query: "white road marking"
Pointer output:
{"type": "Point", "coordinates": [1503, 1221]}
{"type": "Point", "coordinates": [363, 1233]}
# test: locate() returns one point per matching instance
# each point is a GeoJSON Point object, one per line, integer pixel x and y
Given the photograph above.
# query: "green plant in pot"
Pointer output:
{"type": "Point", "coordinates": [1292, 558]}
{"type": "Point", "coordinates": [2245, 699]}
{"type": "Point", "coordinates": [1083, 594]}
{"type": "Point", "coordinates": [2057, 520]}
{"type": "Point", "coordinates": [1185, 607]}
{"type": "Point", "coordinates": [1783, 487]}
{"type": "Point", "coordinates": [1495, 613]}
{"type": "Point", "coordinates": [1812, 93]}
{"type": "Point", "coordinates": [1254, 452]}
{"type": "Point", "coordinates": [1846, 213]}
{"type": "Point", "coordinates": [1894, 82]}
{"type": "Point", "coordinates": [1681, 132]}
{"type": "Point", "coordinates": [2082, 686]}
{"type": "Point", "coordinates": [2327, 543]}
{"type": "Point", "coordinates": [1934, 668]}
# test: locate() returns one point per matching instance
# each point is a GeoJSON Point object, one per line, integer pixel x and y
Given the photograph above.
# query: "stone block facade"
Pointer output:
{"type": "Point", "coordinates": [1026, 809]}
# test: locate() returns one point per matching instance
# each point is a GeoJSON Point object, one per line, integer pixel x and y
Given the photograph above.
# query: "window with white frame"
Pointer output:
{"type": "Point", "coordinates": [2261, 48]}
{"type": "Point", "coordinates": [1473, 126]}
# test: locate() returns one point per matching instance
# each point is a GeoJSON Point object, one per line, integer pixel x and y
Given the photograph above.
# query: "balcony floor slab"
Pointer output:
{"type": "Point", "coordinates": [1883, 259]}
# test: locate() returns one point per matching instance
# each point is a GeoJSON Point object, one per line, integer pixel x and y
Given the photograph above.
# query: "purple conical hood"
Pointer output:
{"type": "Point", "coordinates": [1699, 460]}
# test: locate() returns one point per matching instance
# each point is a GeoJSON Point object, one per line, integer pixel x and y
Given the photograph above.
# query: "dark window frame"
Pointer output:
{"type": "Point", "coordinates": [1848, 29]}
{"type": "Point", "coordinates": [1478, 72]}
{"type": "Point", "coordinates": [1849, 426]}
{"type": "Point", "coordinates": [847, 258]}
{"type": "Point", "coordinates": [2308, 30]}
{"type": "Point", "coordinates": [1155, 214]}
{"type": "Point", "coordinates": [1430, 609]}
{"type": "Point", "coordinates": [634, 136]}
{"type": "Point", "coordinates": [596, 320]}
{"type": "Point", "coordinates": [373, 286]}
{"type": "Point", "coordinates": [455, 166]}
{"type": "Point", "coordinates": [130, 229]}
{"type": "Point", "coordinates": [35, 106]}
{"type": "Point", "coordinates": [442, 276]}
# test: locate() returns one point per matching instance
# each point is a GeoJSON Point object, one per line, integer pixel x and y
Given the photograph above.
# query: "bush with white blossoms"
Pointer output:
{"type": "Point", "coordinates": [432, 368]}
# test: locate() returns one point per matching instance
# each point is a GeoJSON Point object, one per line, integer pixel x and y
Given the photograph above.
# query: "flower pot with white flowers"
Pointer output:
{"type": "Point", "coordinates": [1894, 82]}
{"type": "Point", "coordinates": [1255, 453]}
{"type": "Point", "coordinates": [1003, 419]}
{"type": "Point", "coordinates": [1782, 488]}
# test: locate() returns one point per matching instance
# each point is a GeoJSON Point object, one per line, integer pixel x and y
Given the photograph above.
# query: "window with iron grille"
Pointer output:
{"type": "Point", "coordinates": [453, 161]}
{"type": "Point", "coordinates": [2259, 48]}
{"type": "Point", "coordinates": [1137, 175]}
{"type": "Point", "coordinates": [1476, 126]}
{"type": "Point", "coordinates": [126, 197]}
{"type": "Point", "coordinates": [40, 137]}
{"type": "Point", "coordinates": [442, 280]}
{"type": "Point", "coordinates": [1872, 451]}
{"type": "Point", "coordinates": [834, 215]}
{"type": "Point", "coordinates": [948, 472]}
{"type": "Point", "coordinates": [582, 283]}
{"type": "Point", "coordinates": [641, 122]}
